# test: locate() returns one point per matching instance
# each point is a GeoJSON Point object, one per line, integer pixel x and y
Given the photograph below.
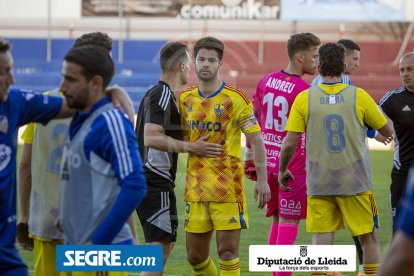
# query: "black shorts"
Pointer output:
{"type": "Point", "coordinates": [158, 215]}
{"type": "Point", "coordinates": [398, 182]}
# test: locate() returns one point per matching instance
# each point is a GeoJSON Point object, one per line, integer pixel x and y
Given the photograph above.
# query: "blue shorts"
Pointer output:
{"type": "Point", "coordinates": [11, 263]}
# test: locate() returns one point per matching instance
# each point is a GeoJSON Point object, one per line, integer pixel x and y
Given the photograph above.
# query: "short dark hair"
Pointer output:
{"type": "Point", "coordinates": [95, 38]}
{"type": "Point", "coordinates": [171, 55]}
{"type": "Point", "coordinates": [4, 45]}
{"type": "Point", "coordinates": [301, 42]}
{"type": "Point", "coordinates": [210, 43]}
{"type": "Point", "coordinates": [94, 60]}
{"type": "Point", "coordinates": [331, 59]}
{"type": "Point", "coordinates": [349, 45]}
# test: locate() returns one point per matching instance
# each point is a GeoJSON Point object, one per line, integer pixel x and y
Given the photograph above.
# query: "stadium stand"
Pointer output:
{"type": "Point", "coordinates": [140, 69]}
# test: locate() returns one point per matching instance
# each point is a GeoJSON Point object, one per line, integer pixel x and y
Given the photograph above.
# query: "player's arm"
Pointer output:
{"type": "Point", "coordinates": [154, 132]}
{"type": "Point", "coordinates": [249, 166]}
{"type": "Point", "coordinates": [250, 127]}
{"type": "Point", "coordinates": [381, 138]}
{"type": "Point", "coordinates": [286, 153]}
{"type": "Point", "coordinates": [25, 183]}
{"type": "Point", "coordinates": [374, 117]}
{"type": "Point", "coordinates": [24, 189]}
{"type": "Point", "coordinates": [399, 259]}
{"type": "Point", "coordinates": [387, 130]}
{"type": "Point", "coordinates": [118, 96]}
{"type": "Point", "coordinates": [154, 137]}
{"type": "Point", "coordinates": [295, 126]}
{"type": "Point", "coordinates": [120, 99]}
{"type": "Point", "coordinates": [261, 190]}
{"type": "Point", "coordinates": [127, 167]}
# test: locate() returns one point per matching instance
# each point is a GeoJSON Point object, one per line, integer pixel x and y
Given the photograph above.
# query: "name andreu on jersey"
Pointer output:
{"type": "Point", "coordinates": [281, 85]}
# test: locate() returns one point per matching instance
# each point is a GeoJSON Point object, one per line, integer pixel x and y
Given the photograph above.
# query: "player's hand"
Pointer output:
{"type": "Point", "coordinates": [22, 234]}
{"type": "Point", "coordinates": [120, 99]}
{"type": "Point", "coordinates": [250, 170]}
{"type": "Point", "coordinates": [284, 178]}
{"type": "Point", "coordinates": [381, 138]}
{"type": "Point", "coordinates": [203, 148]}
{"type": "Point", "coordinates": [262, 193]}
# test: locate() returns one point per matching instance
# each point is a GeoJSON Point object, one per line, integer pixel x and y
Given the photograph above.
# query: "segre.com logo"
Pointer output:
{"type": "Point", "coordinates": [109, 258]}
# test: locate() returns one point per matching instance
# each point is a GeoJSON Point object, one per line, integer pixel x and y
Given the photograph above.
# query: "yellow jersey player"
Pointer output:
{"type": "Point", "coordinates": [334, 116]}
{"type": "Point", "coordinates": [214, 192]}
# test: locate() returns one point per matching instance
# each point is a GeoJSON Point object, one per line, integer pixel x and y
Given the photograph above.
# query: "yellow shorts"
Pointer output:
{"type": "Point", "coordinates": [202, 217]}
{"type": "Point", "coordinates": [45, 256]}
{"type": "Point", "coordinates": [327, 213]}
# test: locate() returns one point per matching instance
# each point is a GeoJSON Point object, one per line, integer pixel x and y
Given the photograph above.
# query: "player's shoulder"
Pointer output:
{"type": "Point", "coordinates": [20, 96]}
{"type": "Point", "coordinates": [236, 93]}
{"type": "Point", "coordinates": [158, 90]}
{"type": "Point", "coordinates": [112, 119]}
{"type": "Point", "coordinates": [392, 94]}
{"type": "Point", "coordinates": [188, 91]}
{"type": "Point", "coordinates": [271, 76]}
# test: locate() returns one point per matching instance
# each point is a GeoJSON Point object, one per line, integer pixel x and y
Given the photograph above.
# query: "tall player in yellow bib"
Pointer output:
{"type": "Point", "coordinates": [214, 191]}
{"type": "Point", "coordinates": [338, 180]}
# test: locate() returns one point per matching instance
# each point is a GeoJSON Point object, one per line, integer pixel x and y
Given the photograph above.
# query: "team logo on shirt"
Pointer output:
{"type": "Point", "coordinates": [4, 124]}
{"type": "Point", "coordinates": [5, 156]}
{"type": "Point", "coordinates": [219, 109]}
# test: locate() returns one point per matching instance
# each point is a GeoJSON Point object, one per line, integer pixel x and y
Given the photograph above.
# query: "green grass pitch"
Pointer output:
{"type": "Point", "coordinates": [259, 225]}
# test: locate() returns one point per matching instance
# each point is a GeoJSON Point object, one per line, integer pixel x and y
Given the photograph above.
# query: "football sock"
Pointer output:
{"type": "Point", "coordinates": [371, 269]}
{"type": "Point", "coordinates": [206, 268]}
{"type": "Point", "coordinates": [230, 267]}
{"type": "Point", "coordinates": [287, 233]}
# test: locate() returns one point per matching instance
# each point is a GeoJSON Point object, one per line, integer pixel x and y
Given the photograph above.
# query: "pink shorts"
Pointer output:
{"type": "Point", "coordinates": [287, 205]}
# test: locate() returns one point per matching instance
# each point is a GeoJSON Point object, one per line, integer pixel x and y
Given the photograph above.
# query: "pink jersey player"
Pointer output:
{"type": "Point", "coordinates": [274, 97]}
{"type": "Point", "coordinates": [272, 102]}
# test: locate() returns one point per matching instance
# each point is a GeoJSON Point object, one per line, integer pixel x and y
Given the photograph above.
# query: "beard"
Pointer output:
{"type": "Point", "coordinates": [204, 76]}
{"type": "Point", "coordinates": [79, 100]}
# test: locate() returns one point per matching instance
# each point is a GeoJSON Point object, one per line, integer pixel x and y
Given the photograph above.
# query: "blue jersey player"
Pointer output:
{"type": "Point", "coordinates": [18, 108]}
{"type": "Point", "coordinates": [102, 180]}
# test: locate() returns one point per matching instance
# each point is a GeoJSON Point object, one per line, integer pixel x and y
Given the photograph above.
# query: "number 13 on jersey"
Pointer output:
{"type": "Point", "coordinates": [279, 122]}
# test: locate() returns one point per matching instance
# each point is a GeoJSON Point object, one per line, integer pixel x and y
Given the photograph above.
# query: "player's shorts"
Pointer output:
{"type": "Point", "coordinates": [11, 263]}
{"type": "Point", "coordinates": [398, 180]}
{"type": "Point", "coordinates": [158, 216]}
{"type": "Point", "coordinates": [202, 217]}
{"type": "Point", "coordinates": [287, 204]}
{"type": "Point", "coordinates": [45, 256]}
{"type": "Point", "coordinates": [327, 213]}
